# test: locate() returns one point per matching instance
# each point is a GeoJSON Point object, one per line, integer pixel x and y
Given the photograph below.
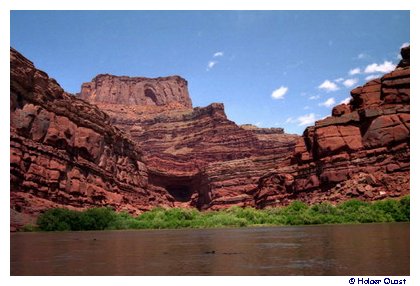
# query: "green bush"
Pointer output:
{"type": "Point", "coordinates": [297, 213]}
{"type": "Point", "coordinates": [324, 208]}
{"type": "Point", "coordinates": [97, 218]}
{"type": "Point", "coordinates": [296, 207]}
{"type": "Point", "coordinates": [57, 220]}
{"type": "Point", "coordinates": [405, 208]}
{"type": "Point", "coordinates": [64, 220]}
{"type": "Point", "coordinates": [223, 219]}
{"type": "Point", "coordinates": [29, 228]}
{"type": "Point", "coordinates": [251, 215]}
{"type": "Point", "coordinates": [352, 205]}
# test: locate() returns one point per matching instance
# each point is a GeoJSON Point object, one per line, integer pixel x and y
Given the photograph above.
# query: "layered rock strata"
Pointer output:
{"type": "Point", "coordinates": [64, 152]}
{"type": "Point", "coordinates": [163, 91]}
{"type": "Point", "coordinates": [193, 153]}
{"type": "Point", "coordinates": [136, 143]}
{"type": "Point", "coordinates": [361, 151]}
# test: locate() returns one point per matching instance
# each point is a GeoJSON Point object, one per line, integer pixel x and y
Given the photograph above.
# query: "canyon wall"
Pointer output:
{"type": "Point", "coordinates": [134, 143]}
{"type": "Point", "coordinates": [198, 155]}
{"type": "Point", "coordinates": [130, 155]}
{"type": "Point", "coordinates": [65, 153]}
{"type": "Point", "coordinates": [361, 151]}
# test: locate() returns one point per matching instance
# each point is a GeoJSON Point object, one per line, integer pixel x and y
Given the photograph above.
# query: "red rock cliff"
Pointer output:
{"type": "Point", "coordinates": [64, 152]}
{"type": "Point", "coordinates": [138, 143]}
{"type": "Point", "coordinates": [362, 150]}
{"type": "Point", "coordinates": [193, 152]}
{"type": "Point", "coordinates": [162, 91]}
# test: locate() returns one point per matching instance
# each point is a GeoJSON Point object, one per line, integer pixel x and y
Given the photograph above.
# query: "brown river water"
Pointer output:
{"type": "Point", "coordinates": [365, 249]}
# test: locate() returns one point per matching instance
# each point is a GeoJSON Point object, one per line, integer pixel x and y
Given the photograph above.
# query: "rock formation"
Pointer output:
{"type": "Point", "coordinates": [134, 143]}
{"type": "Point", "coordinates": [362, 150]}
{"type": "Point", "coordinates": [65, 153]}
{"type": "Point", "coordinates": [163, 91]}
{"type": "Point", "coordinates": [192, 153]}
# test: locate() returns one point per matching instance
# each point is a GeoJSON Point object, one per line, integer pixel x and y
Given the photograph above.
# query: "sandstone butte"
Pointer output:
{"type": "Point", "coordinates": [133, 143]}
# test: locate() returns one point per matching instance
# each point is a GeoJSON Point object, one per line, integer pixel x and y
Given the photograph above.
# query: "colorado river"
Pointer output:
{"type": "Point", "coordinates": [365, 249]}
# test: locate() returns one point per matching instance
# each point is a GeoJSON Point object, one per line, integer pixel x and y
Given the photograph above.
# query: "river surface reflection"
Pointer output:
{"type": "Point", "coordinates": [366, 249]}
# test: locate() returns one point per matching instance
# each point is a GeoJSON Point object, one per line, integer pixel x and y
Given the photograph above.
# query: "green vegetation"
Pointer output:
{"type": "Point", "coordinates": [64, 219]}
{"type": "Point", "coordinates": [297, 213]}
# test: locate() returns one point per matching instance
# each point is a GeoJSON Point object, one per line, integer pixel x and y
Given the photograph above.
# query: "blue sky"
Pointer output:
{"type": "Point", "coordinates": [270, 68]}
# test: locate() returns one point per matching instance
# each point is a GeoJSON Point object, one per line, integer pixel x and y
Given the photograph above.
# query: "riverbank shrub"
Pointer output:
{"type": "Point", "coordinates": [61, 219]}
{"type": "Point", "coordinates": [297, 213]}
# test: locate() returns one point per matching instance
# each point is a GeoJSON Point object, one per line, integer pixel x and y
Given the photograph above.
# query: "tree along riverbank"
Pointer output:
{"type": "Point", "coordinates": [297, 213]}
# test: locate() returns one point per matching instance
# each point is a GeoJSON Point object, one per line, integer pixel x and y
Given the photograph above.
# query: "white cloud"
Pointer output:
{"type": "Point", "coordinates": [279, 93]}
{"type": "Point", "coordinates": [258, 124]}
{"type": "Point", "coordinates": [350, 82]}
{"type": "Point", "coordinates": [404, 45]}
{"type": "Point", "coordinates": [387, 66]}
{"type": "Point", "coordinates": [372, 76]}
{"type": "Point", "coordinates": [306, 107]}
{"type": "Point", "coordinates": [328, 103]}
{"type": "Point", "coordinates": [346, 100]}
{"type": "Point", "coordinates": [306, 119]}
{"type": "Point", "coordinates": [340, 79]}
{"type": "Point", "coordinates": [354, 71]}
{"type": "Point", "coordinates": [313, 97]}
{"type": "Point", "coordinates": [211, 64]}
{"type": "Point", "coordinates": [362, 56]}
{"type": "Point", "coordinates": [328, 86]}
{"type": "Point", "coordinates": [303, 120]}
{"type": "Point", "coordinates": [289, 120]}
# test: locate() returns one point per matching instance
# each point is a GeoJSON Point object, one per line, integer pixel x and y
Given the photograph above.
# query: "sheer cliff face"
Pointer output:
{"type": "Point", "coordinates": [164, 91]}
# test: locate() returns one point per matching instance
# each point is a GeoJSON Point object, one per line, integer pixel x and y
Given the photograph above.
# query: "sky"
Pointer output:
{"type": "Point", "coordinates": [269, 68]}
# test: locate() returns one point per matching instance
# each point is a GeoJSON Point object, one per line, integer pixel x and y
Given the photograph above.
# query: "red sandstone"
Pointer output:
{"type": "Point", "coordinates": [137, 143]}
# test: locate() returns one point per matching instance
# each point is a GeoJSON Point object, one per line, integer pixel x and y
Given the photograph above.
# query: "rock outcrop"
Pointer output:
{"type": "Point", "coordinates": [362, 150]}
{"type": "Point", "coordinates": [163, 91]}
